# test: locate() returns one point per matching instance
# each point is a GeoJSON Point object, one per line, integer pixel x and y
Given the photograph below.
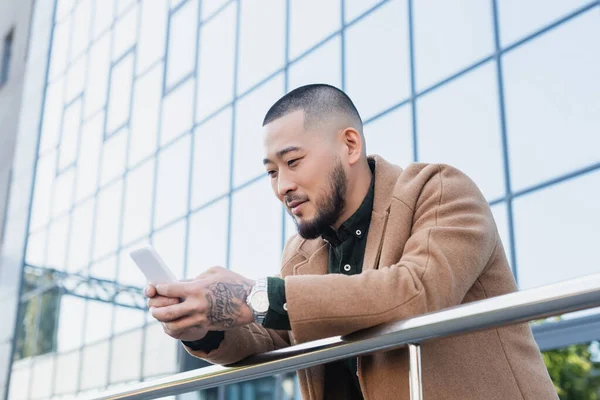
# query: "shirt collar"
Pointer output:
{"type": "Point", "coordinates": [358, 223]}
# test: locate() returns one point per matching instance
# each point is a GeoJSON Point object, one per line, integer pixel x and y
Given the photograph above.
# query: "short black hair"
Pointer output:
{"type": "Point", "coordinates": [318, 101]}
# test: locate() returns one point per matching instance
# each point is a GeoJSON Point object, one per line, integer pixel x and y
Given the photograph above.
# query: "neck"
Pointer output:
{"type": "Point", "coordinates": [357, 191]}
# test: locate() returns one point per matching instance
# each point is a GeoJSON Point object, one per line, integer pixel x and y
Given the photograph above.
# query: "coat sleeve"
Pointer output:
{"type": "Point", "coordinates": [248, 340]}
{"type": "Point", "coordinates": [451, 241]}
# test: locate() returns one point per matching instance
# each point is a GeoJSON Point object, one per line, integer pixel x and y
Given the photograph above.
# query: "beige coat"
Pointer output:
{"type": "Point", "coordinates": [432, 244]}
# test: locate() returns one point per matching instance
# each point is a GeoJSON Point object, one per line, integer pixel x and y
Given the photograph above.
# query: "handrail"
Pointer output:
{"type": "Point", "coordinates": [527, 305]}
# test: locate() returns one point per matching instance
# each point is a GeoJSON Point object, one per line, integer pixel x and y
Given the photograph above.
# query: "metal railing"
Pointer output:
{"type": "Point", "coordinates": [527, 305]}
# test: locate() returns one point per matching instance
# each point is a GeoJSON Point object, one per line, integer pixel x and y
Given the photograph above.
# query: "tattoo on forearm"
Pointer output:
{"type": "Point", "coordinates": [225, 301]}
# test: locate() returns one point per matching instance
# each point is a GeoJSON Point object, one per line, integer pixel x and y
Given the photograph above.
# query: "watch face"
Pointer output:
{"type": "Point", "coordinates": [260, 302]}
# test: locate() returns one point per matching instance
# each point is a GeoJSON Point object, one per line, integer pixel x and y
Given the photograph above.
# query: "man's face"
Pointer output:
{"type": "Point", "coordinates": [306, 173]}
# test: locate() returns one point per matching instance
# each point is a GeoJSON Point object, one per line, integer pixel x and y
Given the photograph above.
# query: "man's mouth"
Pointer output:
{"type": "Point", "coordinates": [295, 206]}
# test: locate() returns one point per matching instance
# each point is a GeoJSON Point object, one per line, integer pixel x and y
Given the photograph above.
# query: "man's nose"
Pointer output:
{"type": "Point", "coordinates": [285, 185]}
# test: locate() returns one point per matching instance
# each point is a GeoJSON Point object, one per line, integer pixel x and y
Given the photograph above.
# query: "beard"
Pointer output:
{"type": "Point", "coordinates": [329, 208]}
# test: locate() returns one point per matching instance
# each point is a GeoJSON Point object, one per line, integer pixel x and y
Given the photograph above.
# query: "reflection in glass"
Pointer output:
{"type": "Point", "coordinates": [377, 77]}
{"type": "Point", "coordinates": [261, 41]}
{"type": "Point", "coordinates": [212, 159]}
{"type": "Point", "coordinates": [173, 182]}
{"type": "Point", "coordinates": [182, 42]}
{"type": "Point", "coordinates": [216, 62]}
{"type": "Point", "coordinates": [322, 65]}
{"type": "Point", "coordinates": [458, 124]}
{"type": "Point", "coordinates": [207, 242]}
{"type": "Point", "coordinates": [249, 116]}
{"type": "Point", "coordinates": [544, 220]}
{"type": "Point", "coordinates": [552, 102]}
{"type": "Point", "coordinates": [256, 231]}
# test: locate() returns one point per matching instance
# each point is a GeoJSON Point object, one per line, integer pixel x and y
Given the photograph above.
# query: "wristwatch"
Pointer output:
{"type": "Point", "coordinates": [258, 300]}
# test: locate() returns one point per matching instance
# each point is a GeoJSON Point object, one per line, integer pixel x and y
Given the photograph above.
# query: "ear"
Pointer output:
{"type": "Point", "coordinates": [354, 144]}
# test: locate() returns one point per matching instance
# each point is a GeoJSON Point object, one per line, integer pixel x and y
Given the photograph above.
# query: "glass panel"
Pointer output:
{"type": "Point", "coordinates": [170, 244]}
{"type": "Point", "coordinates": [465, 111]}
{"type": "Point", "coordinates": [63, 193]}
{"type": "Point", "coordinates": [159, 346]}
{"type": "Point", "coordinates": [209, 7]}
{"type": "Point", "coordinates": [552, 102]}
{"type": "Point", "coordinates": [323, 65]}
{"type": "Point", "coordinates": [70, 135]}
{"type": "Point", "coordinates": [70, 329]}
{"type": "Point", "coordinates": [125, 32]}
{"type": "Point", "coordinates": [40, 210]}
{"type": "Point", "coordinates": [212, 159]}
{"type": "Point", "coordinates": [153, 33]}
{"type": "Point", "coordinates": [76, 79]}
{"type": "Point", "coordinates": [182, 42]}
{"type": "Point", "coordinates": [99, 69]}
{"type": "Point", "coordinates": [98, 321]}
{"type": "Point", "coordinates": [175, 3]}
{"type": "Point", "coordinates": [390, 136]}
{"type": "Point", "coordinates": [108, 219]}
{"type": "Point", "coordinates": [81, 236]}
{"type": "Point", "coordinates": [105, 269]}
{"type": "Point", "coordinates": [290, 227]}
{"type": "Point", "coordinates": [323, 18]}
{"type": "Point", "coordinates": [256, 235]}
{"type": "Point", "coordinates": [449, 36]}
{"type": "Point", "coordinates": [113, 157]}
{"type": "Point", "coordinates": [207, 243]}
{"type": "Point", "coordinates": [60, 48]}
{"type": "Point", "coordinates": [123, 5]}
{"type": "Point", "coordinates": [145, 115]}
{"type": "Point", "coordinates": [81, 28]}
{"type": "Point", "coordinates": [127, 319]}
{"type": "Point", "coordinates": [216, 62]}
{"type": "Point", "coordinates": [249, 116]}
{"type": "Point", "coordinates": [518, 19]}
{"type": "Point", "coordinates": [36, 249]}
{"type": "Point", "coordinates": [19, 383]}
{"type": "Point", "coordinates": [261, 41]}
{"type": "Point", "coordinates": [67, 373]}
{"type": "Point", "coordinates": [543, 222]}
{"type": "Point", "coordinates": [354, 8]}
{"type": "Point", "coordinates": [173, 182]}
{"type": "Point", "coordinates": [63, 8]}
{"type": "Point", "coordinates": [120, 94]}
{"type": "Point", "coordinates": [129, 273]}
{"type": "Point", "coordinates": [138, 202]}
{"type": "Point", "coordinates": [178, 112]}
{"type": "Point", "coordinates": [89, 157]}
{"type": "Point", "coordinates": [53, 110]}
{"type": "Point", "coordinates": [57, 244]}
{"type": "Point", "coordinates": [126, 357]}
{"type": "Point", "coordinates": [501, 218]}
{"type": "Point", "coordinates": [383, 69]}
{"type": "Point", "coordinates": [104, 14]}
{"type": "Point", "coordinates": [42, 377]}
{"type": "Point", "coordinates": [94, 371]}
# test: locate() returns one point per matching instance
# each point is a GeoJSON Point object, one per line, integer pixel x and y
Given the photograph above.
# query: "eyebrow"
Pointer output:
{"type": "Point", "coordinates": [283, 152]}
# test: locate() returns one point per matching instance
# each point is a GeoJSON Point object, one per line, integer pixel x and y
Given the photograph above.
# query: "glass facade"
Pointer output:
{"type": "Point", "coordinates": [151, 133]}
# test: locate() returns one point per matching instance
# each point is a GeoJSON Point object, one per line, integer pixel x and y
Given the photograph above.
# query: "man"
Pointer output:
{"type": "Point", "coordinates": [375, 244]}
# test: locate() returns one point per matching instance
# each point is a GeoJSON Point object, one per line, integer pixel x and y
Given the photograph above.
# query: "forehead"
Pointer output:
{"type": "Point", "coordinates": [285, 131]}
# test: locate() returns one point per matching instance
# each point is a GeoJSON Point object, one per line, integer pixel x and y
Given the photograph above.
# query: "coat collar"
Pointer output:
{"type": "Point", "coordinates": [315, 252]}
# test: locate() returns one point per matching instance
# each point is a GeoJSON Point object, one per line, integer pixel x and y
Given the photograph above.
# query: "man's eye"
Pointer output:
{"type": "Point", "coordinates": [271, 173]}
{"type": "Point", "coordinates": [291, 163]}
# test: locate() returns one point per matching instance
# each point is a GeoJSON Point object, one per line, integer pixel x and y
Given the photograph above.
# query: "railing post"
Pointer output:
{"type": "Point", "coordinates": [414, 372]}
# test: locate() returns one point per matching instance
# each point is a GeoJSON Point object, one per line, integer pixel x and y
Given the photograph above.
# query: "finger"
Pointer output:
{"type": "Point", "coordinates": [150, 291]}
{"type": "Point", "coordinates": [171, 313]}
{"type": "Point", "coordinates": [179, 326]}
{"type": "Point", "coordinates": [161, 301]}
{"type": "Point", "coordinates": [175, 289]}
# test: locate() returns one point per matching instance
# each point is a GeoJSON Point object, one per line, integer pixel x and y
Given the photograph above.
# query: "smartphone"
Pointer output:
{"type": "Point", "coordinates": [152, 266]}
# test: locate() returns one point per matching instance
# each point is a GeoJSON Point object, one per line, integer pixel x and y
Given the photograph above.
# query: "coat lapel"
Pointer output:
{"type": "Point", "coordinates": [316, 257]}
